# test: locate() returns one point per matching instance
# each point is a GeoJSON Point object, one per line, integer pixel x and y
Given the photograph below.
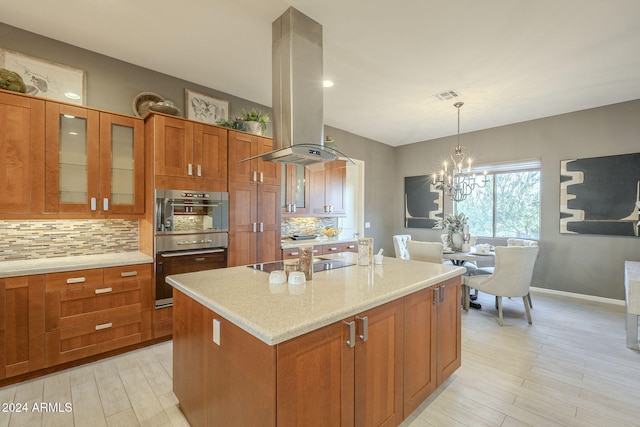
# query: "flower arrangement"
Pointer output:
{"type": "Point", "coordinates": [455, 227]}
{"type": "Point", "coordinates": [453, 223]}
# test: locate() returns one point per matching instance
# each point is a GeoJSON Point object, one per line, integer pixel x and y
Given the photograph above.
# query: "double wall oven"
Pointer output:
{"type": "Point", "coordinates": [191, 234]}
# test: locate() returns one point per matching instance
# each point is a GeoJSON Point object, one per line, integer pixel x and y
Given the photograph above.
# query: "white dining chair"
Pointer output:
{"type": "Point", "coordinates": [523, 242]}
{"type": "Point", "coordinates": [511, 277]}
{"type": "Point", "coordinates": [425, 251]}
{"type": "Point", "coordinates": [400, 245]}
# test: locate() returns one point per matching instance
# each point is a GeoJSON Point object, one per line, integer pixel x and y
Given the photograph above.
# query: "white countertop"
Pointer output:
{"type": "Point", "coordinates": [276, 313]}
{"type": "Point", "coordinates": [79, 262]}
{"type": "Point", "coordinates": [322, 240]}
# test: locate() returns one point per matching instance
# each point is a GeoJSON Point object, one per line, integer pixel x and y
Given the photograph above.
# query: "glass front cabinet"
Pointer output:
{"type": "Point", "coordinates": [94, 161]}
{"type": "Point", "coordinates": [295, 189]}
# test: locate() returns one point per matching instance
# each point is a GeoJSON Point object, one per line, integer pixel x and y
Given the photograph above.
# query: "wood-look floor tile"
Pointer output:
{"type": "Point", "coordinates": [87, 406]}
{"type": "Point", "coordinates": [143, 400]}
{"type": "Point", "coordinates": [126, 418]}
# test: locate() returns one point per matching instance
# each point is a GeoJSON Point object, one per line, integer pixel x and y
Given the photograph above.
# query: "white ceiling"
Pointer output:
{"type": "Point", "coordinates": [511, 60]}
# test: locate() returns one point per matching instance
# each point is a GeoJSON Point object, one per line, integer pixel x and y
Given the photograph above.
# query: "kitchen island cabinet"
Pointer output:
{"type": "Point", "coordinates": [333, 351]}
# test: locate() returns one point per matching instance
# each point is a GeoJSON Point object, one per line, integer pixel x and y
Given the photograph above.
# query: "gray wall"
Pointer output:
{"type": "Point", "coordinates": [585, 264]}
{"type": "Point", "coordinates": [111, 84]}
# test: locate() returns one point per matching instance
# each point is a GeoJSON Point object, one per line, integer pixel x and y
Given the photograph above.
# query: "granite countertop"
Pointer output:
{"type": "Point", "coordinates": [288, 242]}
{"type": "Point", "coordinates": [70, 263]}
{"type": "Point", "coordinates": [276, 313]}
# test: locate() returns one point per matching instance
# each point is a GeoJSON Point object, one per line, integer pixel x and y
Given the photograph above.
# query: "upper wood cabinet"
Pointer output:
{"type": "Point", "coordinates": [22, 159]}
{"type": "Point", "coordinates": [94, 161]}
{"type": "Point", "coordinates": [243, 145]}
{"type": "Point", "coordinates": [188, 155]}
{"type": "Point", "coordinates": [295, 189]}
{"type": "Point", "coordinates": [328, 189]}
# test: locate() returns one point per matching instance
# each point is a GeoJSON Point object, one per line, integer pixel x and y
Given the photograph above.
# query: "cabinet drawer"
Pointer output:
{"type": "Point", "coordinates": [110, 331]}
{"type": "Point", "coordinates": [291, 253]}
{"type": "Point", "coordinates": [339, 247]}
{"type": "Point", "coordinates": [127, 273]}
{"type": "Point", "coordinates": [79, 306]}
{"type": "Point", "coordinates": [73, 279]}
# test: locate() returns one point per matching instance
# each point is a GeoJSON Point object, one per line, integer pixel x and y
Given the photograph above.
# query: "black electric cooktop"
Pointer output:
{"type": "Point", "coordinates": [319, 265]}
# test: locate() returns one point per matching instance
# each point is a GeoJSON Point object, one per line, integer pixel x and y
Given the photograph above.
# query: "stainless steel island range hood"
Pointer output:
{"type": "Point", "coordinates": [298, 122]}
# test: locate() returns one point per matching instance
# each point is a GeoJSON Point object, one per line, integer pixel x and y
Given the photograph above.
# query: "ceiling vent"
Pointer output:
{"type": "Point", "coordinates": [447, 95]}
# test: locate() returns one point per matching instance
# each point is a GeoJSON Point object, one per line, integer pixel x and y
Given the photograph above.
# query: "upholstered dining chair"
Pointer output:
{"type": "Point", "coordinates": [511, 277]}
{"type": "Point", "coordinates": [523, 242]}
{"type": "Point", "coordinates": [400, 245]}
{"type": "Point", "coordinates": [425, 251]}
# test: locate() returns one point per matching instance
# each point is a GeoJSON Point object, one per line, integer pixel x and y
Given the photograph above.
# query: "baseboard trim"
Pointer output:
{"type": "Point", "coordinates": [580, 296]}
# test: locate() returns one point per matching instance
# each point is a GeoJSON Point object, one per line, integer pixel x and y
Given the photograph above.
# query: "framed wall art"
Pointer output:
{"type": "Point", "coordinates": [423, 204]}
{"type": "Point", "coordinates": [599, 195]}
{"type": "Point", "coordinates": [204, 108]}
{"type": "Point", "coordinates": [46, 79]}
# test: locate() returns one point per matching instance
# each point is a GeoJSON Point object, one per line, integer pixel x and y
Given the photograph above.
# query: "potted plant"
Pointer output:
{"type": "Point", "coordinates": [454, 225]}
{"type": "Point", "coordinates": [256, 121]}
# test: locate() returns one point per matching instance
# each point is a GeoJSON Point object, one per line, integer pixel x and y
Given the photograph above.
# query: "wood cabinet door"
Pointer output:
{"type": "Point", "coordinates": [121, 164]}
{"type": "Point", "coordinates": [317, 201]}
{"type": "Point", "coordinates": [419, 348]}
{"type": "Point", "coordinates": [269, 173]}
{"type": "Point", "coordinates": [242, 146]}
{"type": "Point", "coordinates": [335, 186]}
{"type": "Point", "coordinates": [190, 333]}
{"type": "Point", "coordinates": [315, 379]}
{"type": "Point", "coordinates": [21, 325]}
{"type": "Point", "coordinates": [269, 228]}
{"type": "Point", "coordinates": [295, 189]}
{"type": "Point", "coordinates": [22, 161]}
{"type": "Point", "coordinates": [379, 366]}
{"type": "Point", "coordinates": [72, 159]}
{"type": "Point", "coordinates": [210, 152]}
{"type": "Point", "coordinates": [243, 223]}
{"type": "Point", "coordinates": [448, 334]}
{"type": "Point", "coordinates": [173, 147]}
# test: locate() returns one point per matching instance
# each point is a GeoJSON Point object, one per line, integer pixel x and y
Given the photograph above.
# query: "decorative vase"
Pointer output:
{"type": "Point", "coordinates": [254, 127]}
{"type": "Point", "coordinates": [456, 241]}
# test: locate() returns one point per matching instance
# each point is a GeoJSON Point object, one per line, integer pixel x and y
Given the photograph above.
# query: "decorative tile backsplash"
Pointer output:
{"type": "Point", "coordinates": [35, 239]}
{"type": "Point", "coordinates": [310, 225]}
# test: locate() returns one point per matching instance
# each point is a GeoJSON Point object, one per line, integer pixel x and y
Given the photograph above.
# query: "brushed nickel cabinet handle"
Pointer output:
{"type": "Point", "coordinates": [128, 273]}
{"type": "Point", "coordinates": [103, 291]}
{"type": "Point", "coordinates": [351, 342]}
{"type": "Point", "coordinates": [364, 321]}
{"type": "Point", "coordinates": [72, 280]}
{"type": "Point", "coordinates": [104, 326]}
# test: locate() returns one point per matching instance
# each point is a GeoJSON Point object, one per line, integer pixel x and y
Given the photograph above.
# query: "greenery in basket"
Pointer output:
{"type": "Point", "coordinates": [452, 223]}
{"type": "Point", "coordinates": [256, 115]}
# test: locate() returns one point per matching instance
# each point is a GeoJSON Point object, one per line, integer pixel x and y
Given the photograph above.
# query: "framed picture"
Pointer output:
{"type": "Point", "coordinates": [46, 79]}
{"type": "Point", "coordinates": [600, 195]}
{"type": "Point", "coordinates": [422, 202]}
{"type": "Point", "coordinates": [204, 108]}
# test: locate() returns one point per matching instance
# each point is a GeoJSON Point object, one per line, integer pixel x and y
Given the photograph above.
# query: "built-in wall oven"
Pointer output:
{"type": "Point", "coordinates": [191, 234]}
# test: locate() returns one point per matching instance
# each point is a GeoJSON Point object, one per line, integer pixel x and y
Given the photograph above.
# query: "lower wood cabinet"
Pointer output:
{"type": "Point", "coordinates": [430, 358]}
{"type": "Point", "coordinates": [21, 325]}
{"type": "Point", "coordinates": [372, 369]}
{"type": "Point", "coordinates": [89, 312]}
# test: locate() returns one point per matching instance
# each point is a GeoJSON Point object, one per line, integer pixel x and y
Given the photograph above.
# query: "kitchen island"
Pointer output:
{"type": "Point", "coordinates": [356, 345]}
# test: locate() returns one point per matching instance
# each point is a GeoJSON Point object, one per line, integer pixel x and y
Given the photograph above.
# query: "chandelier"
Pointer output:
{"type": "Point", "coordinates": [454, 181]}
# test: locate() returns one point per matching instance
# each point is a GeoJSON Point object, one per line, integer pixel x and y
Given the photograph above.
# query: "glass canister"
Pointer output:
{"type": "Point", "coordinates": [365, 251]}
{"type": "Point", "coordinates": [305, 260]}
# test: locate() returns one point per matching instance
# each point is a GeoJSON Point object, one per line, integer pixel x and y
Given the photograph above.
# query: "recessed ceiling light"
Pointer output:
{"type": "Point", "coordinates": [327, 83]}
{"type": "Point", "coordinates": [72, 95]}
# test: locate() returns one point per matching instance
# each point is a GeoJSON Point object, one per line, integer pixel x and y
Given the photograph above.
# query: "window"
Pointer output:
{"type": "Point", "coordinates": [509, 205]}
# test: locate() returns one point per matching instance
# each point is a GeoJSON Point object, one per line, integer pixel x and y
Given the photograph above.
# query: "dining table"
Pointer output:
{"type": "Point", "coordinates": [459, 258]}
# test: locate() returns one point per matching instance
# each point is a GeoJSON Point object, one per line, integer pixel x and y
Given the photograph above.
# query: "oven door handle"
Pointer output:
{"type": "Point", "coordinates": [195, 252]}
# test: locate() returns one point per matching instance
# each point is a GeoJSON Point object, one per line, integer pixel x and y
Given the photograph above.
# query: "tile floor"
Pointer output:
{"type": "Point", "coordinates": [570, 368]}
